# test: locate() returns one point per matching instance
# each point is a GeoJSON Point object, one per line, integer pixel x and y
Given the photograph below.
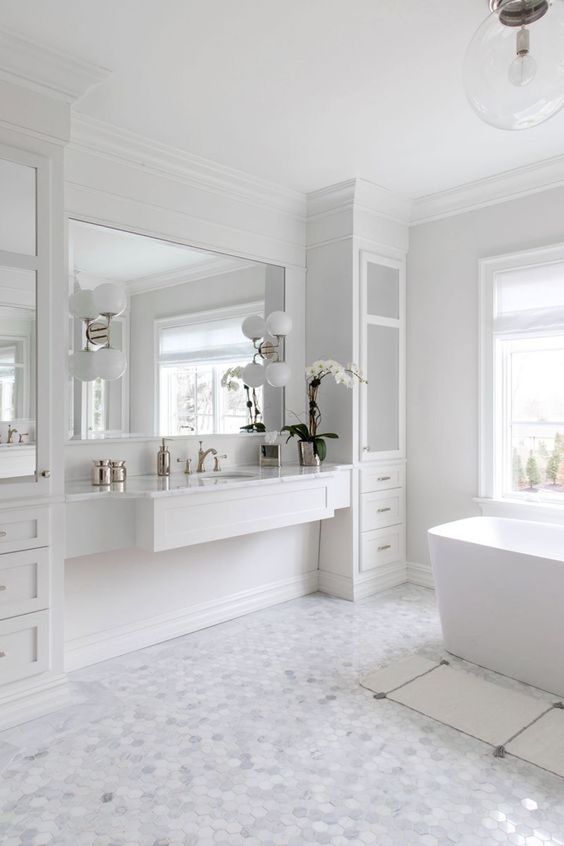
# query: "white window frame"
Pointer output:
{"type": "Point", "coordinates": [492, 395]}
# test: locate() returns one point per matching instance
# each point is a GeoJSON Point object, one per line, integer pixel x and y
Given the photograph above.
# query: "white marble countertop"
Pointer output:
{"type": "Point", "coordinates": [179, 484]}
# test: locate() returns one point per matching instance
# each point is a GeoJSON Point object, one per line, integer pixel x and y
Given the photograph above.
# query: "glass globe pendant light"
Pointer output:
{"type": "Point", "coordinates": [514, 65]}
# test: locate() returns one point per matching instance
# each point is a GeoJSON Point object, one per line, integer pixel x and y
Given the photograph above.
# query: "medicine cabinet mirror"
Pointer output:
{"type": "Point", "coordinates": [181, 336]}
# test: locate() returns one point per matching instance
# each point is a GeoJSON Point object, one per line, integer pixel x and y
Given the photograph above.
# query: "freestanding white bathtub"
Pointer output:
{"type": "Point", "coordinates": [500, 590]}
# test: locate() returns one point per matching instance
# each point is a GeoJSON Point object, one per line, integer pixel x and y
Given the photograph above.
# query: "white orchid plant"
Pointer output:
{"type": "Point", "coordinates": [232, 379]}
{"type": "Point", "coordinates": [315, 373]}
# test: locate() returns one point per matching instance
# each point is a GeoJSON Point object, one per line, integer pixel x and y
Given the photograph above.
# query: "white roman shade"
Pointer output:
{"type": "Point", "coordinates": [215, 340]}
{"type": "Point", "coordinates": [529, 299]}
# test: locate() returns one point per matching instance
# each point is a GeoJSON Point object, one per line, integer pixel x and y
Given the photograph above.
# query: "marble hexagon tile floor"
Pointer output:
{"type": "Point", "coordinates": [257, 732]}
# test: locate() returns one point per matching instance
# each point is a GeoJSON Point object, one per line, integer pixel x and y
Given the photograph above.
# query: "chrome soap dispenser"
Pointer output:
{"type": "Point", "coordinates": [163, 460]}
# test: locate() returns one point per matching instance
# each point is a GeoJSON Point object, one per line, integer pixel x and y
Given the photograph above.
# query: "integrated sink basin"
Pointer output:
{"type": "Point", "coordinates": [225, 476]}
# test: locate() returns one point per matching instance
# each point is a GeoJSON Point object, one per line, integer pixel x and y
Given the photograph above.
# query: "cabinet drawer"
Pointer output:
{"type": "Point", "coordinates": [24, 582]}
{"type": "Point", "coordinates": [382, 477]}
{"type": "Point", "coordinates": [24, 646]}
{"type": "Point", "coordinates": [24, 529]}
{"type": "Point", "coordinates": [382, 546]}
{"type": "Point", "coordinates": [378, 510]}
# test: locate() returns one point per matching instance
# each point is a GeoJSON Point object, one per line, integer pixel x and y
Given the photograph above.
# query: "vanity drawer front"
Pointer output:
{"type": "Point", "coordinates": [24, 529]}
{"type": "Point", "coordinates": [378, 510]}
{"type": "Point", "coordinates": [382, 478]}
{"type": "Point", "coordinates": [24, 582]}
{"type": "Point", "coordinates": [24, 646]}
{"type": "Point", "coordinates": [382, 546]}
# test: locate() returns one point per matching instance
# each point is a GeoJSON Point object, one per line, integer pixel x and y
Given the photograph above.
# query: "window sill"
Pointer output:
{"type": "Point", "coordinates": [540, 512]}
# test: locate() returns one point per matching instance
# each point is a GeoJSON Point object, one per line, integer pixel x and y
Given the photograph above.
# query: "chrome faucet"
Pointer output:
{"type": "Point", "coordinates": [11, 432]}
{"type": "Point", "coordinates": [202, 455]}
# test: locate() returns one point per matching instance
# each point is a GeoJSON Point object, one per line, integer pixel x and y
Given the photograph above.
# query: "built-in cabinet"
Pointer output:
{"type": "Point", "coordinates": [382, 413]}
{"type": "Point", "coordinates": [30, 587]}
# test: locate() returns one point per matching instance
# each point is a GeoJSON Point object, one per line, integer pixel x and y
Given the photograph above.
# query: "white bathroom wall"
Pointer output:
{"type": "Point", "coordinates": [442, 351]}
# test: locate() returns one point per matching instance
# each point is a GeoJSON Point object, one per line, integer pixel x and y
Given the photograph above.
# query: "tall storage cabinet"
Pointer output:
{"type": "Point", "coordinates": [356, 270]}
{"type": "Point", "coordinates": [31, 510]}
{"type": "Point", "coordinates": [382, 415]}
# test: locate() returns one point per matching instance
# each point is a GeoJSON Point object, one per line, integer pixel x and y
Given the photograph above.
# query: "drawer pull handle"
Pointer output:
{"type": "Point", "coordinates": [46, 474]}
{"type": "Point", "coordinates": [3, 533]}
{"type": "Point", "coordinates": [386, 546]}
{"type": "Point", "coordinates": [381, 510]}
{"type": "Point", "coordinates": [384, 478]}
{"type": "Point", "coordinates": [2, 654]}
{"type": "Point", "coordinates": [3, 587]}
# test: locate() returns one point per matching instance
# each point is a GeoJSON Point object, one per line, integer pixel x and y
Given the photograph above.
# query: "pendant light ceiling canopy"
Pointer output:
{"type": "Point", "coordinates": [514, 65]}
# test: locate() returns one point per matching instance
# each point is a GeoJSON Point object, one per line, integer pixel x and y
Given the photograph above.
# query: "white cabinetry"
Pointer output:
{"type": "Point", "coordinates": [31, 386]}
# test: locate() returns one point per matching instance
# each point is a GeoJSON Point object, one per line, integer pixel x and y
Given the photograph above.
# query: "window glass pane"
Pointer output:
{"type": "Point", "coordinates": [382, 290]}
{"type": "Point", "coordinates": [382, 390]}
{"type": "Point", "coordinates": [17, 208]}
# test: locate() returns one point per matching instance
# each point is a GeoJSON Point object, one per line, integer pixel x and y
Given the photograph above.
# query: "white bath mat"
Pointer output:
{"type": "Point", "coordinates": [542, 743]}
{"type": "Point", "coordinates": [513, 723]}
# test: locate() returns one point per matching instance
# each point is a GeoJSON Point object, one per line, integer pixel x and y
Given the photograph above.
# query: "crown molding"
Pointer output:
{"type": "Point", "coordinates": [46, 70]}
{"type": "Point", "coordinates": [104, 139]}
{"type": "Point", "coordinates": [358, 194]}
{"type": "Point", "coordinates": [501, 188]}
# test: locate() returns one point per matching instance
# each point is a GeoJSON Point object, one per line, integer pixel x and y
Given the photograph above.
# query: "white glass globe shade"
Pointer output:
{"type": "Point", "coordinates": [82, 305]}
{"type": "Point", "coordinates": [253, 327]}
{"type": "Point", "coordinates": [279, 323]}
{"type": "Point", "coordinates": [277, 374]}
{"type": "Point", "coordinates": [253, 375]}
{"type": "Point", "coordinates": [510, 91]}
{"type": "Point", "coordinates": [110, 364]}
{"type": "Point", "coordinates": [82, 365]}
{"type": "Point", "coordinates": [110, 299]}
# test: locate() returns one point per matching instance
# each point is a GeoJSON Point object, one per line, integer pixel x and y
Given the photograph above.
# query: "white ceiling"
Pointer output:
{"type": "Point", "coordinates": [305, 93]}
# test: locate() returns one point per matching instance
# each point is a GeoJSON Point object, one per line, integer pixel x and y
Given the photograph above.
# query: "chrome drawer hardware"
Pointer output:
{"type": "Point", "coordinates": [46, 474]}
{"type": "Point", "coordinates": [3, 533]}
{"type": "Point", "coordinates": [384, 478]}
{"type": "Point", "coordinates": [2, 654]}
{"type": "Point", "coordinates": [3, 587]}
{"type": "Point", "coordinates": [380, 510]}
{"type": "Point", "coordinates": [366, 449]}
{"type": "Point", "coordinates": [386, 546]}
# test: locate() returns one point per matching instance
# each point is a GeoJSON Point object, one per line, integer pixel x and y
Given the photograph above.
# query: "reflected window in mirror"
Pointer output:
{"type": "Point", "coordinates": [181, 335]}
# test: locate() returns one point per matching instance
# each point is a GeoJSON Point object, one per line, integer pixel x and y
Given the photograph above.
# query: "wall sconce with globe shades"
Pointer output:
{"type": "Point", "coordinates": [267, 337]}
{"type": "Point", "coordinates": [97, 308]}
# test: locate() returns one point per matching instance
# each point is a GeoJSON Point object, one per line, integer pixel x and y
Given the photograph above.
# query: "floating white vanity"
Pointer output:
{"type": "Point", "coordinates": [178, 511]}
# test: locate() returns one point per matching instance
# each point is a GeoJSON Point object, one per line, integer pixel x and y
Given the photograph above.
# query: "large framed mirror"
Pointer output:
{"type": "Point", "coordinates": [18, 335]}
{"type": "Point", "coordinates": [181, 336]}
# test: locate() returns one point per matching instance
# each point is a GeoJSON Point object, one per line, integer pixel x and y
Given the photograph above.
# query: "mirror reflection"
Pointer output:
{"type": "Point", "coordinates": [180, 333]}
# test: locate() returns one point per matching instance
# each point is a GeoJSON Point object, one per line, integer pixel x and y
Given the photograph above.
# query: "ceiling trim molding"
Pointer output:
{"type": "Point", "coordinates": [104, 139]}
{"type": "Point", "coordinates": [358, 194]}
{"type": "Point", "coordinates": [46, 70]}
{"type": "Point", "coordinates": [501, 188]}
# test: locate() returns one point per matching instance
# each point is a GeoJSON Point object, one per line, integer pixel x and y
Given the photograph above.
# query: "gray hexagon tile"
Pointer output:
{"type": "Point", "coordinates": [257, 732]}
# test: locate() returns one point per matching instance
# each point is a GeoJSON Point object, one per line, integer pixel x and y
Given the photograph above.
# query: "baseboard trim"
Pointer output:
{"type": "Point", "coordinates": [420, 574]}
{"type": "Point", "coordinates": [381, 579]}
{"type": "Point", "coordinates": [101, 646]}
{"type": "Point", "coordinates": [33, 699]}
{"type": "Point", "coordinates": [367, 584]}
{"type": "Point", "coordinates": [333, 584]}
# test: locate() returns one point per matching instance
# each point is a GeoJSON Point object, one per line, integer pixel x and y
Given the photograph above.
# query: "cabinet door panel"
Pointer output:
{"type": "Point", "coordinates": [383, 388]}
{"type": "Point", "coordinates": [17, 208]}
{"type": "Point", "coordinates": [382, 290]}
